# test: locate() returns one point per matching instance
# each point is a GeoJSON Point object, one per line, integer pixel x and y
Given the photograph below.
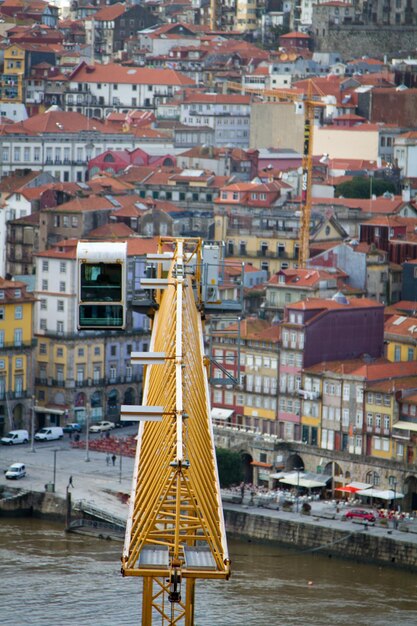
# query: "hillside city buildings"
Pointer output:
{"type": "Point", "coordinates": [127, 122]}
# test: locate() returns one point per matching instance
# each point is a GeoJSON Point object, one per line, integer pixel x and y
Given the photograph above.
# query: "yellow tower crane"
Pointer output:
{"type": "Point", "coordinates": [175, 531]}
{"type": "Point", "coordinates": [309, 104]}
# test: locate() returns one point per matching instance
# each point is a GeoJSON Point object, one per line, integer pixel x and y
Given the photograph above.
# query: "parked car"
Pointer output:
{"type": "Point", "coordinates": [49, 433]}
{"type": "Point", "coordinates": [16, 471]}
{"type": "Point", "coordinates": [101, 427]}
{"type": "Point", "coordinates": [362, 514]}
{"type": "Point", "coordinates": [14, 437]}
{"type": "Point", "coordinates": [73, 427]}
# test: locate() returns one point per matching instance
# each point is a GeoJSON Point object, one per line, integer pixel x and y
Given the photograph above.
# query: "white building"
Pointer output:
{"type": "Point", "coordinates": [97, 90]}
{"type": "Point", "coordinates": [228, 115]}
{"type": "Point", "coordinates": [61, 143]}
{"type": "Point", "coordinates": [55, 309]}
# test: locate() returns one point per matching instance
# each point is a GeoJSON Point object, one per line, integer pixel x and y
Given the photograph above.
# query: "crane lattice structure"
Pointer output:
{"type": "Point", "coordinates": [175, 532]}
{"type": "Point", "coordinates": [309, 106]}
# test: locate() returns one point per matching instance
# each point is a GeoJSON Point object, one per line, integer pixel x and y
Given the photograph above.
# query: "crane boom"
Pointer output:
{"type": "Point", "coordinates": [282, 95]}
{"type": "Point", "coordinates": [175, 531]}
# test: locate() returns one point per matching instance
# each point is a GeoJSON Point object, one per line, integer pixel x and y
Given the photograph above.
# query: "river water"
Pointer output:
{"type": "Point", "coordinates": [50, 578]}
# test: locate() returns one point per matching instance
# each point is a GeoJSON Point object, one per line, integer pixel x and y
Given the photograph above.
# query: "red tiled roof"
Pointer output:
{"type": "Point", "coordinates": [115, 73]}
{"type": "Point", "coordinates": [59, 122]}
{"type": "Point", "coordinates": [321, 304]}
{"type": "Point", "coordinates": [142, 245]}
{"type": "Point", "coordinates": [82, 205]}
{"type": "Point", "coordinates": [115, 230]}
{"type": "Point", "coordinates": [108, 13]}
{"type": "Point", "coordinates": [301, 278]}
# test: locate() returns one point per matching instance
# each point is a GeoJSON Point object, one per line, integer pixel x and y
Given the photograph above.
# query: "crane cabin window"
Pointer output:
{"type": "Point", "coordinates": [101, 282]}
{"type": "Point", "coordinates": [101, 285]}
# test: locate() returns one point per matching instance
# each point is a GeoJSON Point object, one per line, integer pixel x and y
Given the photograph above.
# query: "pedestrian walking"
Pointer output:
{"type": "Point", "coordinates": [113, 458]}
{"type": "Point", "coordinates": [70, 483]}
{"type": "Point", "coordinates": [108, 458]}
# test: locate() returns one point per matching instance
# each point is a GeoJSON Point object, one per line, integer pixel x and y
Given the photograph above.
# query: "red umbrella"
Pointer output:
{"type": "Point", "coordinates": [348, 489]}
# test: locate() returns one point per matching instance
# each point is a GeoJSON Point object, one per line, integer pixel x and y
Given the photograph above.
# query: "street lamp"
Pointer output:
{"type": "Point", "coordinates": [87, 426]}
{"type": "Point", "coordinates": [298, 470]}
{"type": "Point", "coordinates": [32, 426]}
{"type": "Point", "coordinates": [394, 486]}
{"type": "Point", "coordinates": [120, 467]}
{"type": "Point", "coordinates": [55, 450]}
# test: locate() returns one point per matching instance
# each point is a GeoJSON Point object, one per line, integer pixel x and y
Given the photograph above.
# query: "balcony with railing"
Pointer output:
{"type": "Point", "coordinates": [309, 394]}
{"type": "Point", "coordinates": [18, 345]}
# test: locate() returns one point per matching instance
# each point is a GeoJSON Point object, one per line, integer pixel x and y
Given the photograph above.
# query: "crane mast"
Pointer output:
{"type": "Point", "coordinates": [175, 530]}
{"type": "Point", "coordinates": [309, 105]}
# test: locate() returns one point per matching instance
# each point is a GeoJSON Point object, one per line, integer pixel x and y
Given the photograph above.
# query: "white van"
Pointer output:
{"type": "Point", "coordinates": [15, 436]}
{"type": "Point", "coordinates": [49, 433]}
{"type": "Point", "coordinates": [16, 471]}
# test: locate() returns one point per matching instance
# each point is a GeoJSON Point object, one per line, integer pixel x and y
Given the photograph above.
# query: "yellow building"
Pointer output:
{"type": "Point", "coordinates": [16, 355]}
{"type": "Point", "coordinates": [257, 230]}
{"type": "Point", "coordinates": [246, 15]}
{"type": "Point", "coordinates": [400, 333]}
{"type": "Point", "coordinates": [13, 72]}
{"type": "Point", "coordinates": [67, 368]}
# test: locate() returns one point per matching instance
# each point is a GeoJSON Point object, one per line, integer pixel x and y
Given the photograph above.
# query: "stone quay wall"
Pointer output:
{"type": "Point", "coordinates": [33, 503]}
{"type": "Point", "coordinates": [359, 545]}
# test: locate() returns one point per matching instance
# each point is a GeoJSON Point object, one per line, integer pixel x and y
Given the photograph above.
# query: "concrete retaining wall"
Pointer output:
{"type": "Point", "coordinates": [359, 545]}
{"type": "Point", "coordinates": [19, 503]}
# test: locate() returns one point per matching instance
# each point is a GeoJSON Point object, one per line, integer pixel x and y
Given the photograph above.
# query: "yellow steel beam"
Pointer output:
{"type": "Point", "coordinates": [175, 502]}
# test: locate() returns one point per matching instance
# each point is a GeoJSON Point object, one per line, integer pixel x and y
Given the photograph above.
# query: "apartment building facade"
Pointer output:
{"type": "Point", "coordinates": [80, 374]}
{"type": "Point", "coordinates": [17, 348]}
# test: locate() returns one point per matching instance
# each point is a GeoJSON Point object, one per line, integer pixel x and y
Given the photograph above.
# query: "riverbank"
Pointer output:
{"type": "Point", "coordinates": [105, 490]}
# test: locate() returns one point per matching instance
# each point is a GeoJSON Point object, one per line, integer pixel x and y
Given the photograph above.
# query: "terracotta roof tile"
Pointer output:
{"type": "Point", "coordinates": [115, 73]}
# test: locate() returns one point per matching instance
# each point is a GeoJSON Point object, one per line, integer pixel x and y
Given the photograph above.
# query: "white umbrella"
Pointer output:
{"type": "Point", "coordinates": [386, 494]}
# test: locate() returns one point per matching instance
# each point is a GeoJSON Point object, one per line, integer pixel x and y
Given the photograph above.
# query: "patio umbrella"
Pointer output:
{"type": "Point", "coordinates": [347, 489]}
{"type": "Point", "coordinates": [386, 494]}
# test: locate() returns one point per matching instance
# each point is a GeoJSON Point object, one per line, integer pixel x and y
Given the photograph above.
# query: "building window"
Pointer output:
{"type": "Point", "coordinates": [44, 285]}
{"type": "Point", "coordinates": [60, 305]}
{"type": "Point", "coordinates": [113, 350]}
{"type": "Point", "coordinates": [60, 352]}
{"type": "Point", "coordinates": [397, 353]}
{"type": "Point", "coordinates": [18, 335]}
{"type": "Point", "coordinates": [18, 312]}
{"type": "Point", "coordinates": [42, 348]}
{"type": "Point", "coordinates": [62, 287]}
{"type": "Point", "coordinates": [42, 324]}
{"type": "Point", "coordinates": [19, 364]}
{"type": "Point", "coordinates": [62, 267]}
{"type": "Point", "coordinates": [96, 350]}
{"type": "Point", "coordinates": [18, 386]}
{"type": "Point", "coordinates": [80, 351]}
{"type": "Point", "coordinates": [60, 327]}
{"type": "Point", "coordinates": [2, 313]}
{"type": "Point", "coordinates": [45, 266]}
{"type": "Point", "coordinates": [44, 304]}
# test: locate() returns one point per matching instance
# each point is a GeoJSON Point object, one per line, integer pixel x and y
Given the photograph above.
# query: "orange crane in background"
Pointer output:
{"type": "Point", "coordinates": [309, 105]}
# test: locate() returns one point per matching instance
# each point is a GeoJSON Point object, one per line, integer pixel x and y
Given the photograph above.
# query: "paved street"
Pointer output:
{"type": "Point", "coordinates": [95, 481]}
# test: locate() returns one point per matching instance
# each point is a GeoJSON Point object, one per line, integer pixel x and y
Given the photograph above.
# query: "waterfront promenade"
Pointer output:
{"type": "Point", "coordinates": [101, 484]}
{"type": "Point", "coordinates": [106, 487]}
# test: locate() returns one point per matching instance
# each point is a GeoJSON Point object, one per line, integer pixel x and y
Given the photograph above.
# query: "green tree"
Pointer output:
{"type": "Point", "coordinates": [230, 467]}
{"type": "Point", "coordinates": [363, 187]}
